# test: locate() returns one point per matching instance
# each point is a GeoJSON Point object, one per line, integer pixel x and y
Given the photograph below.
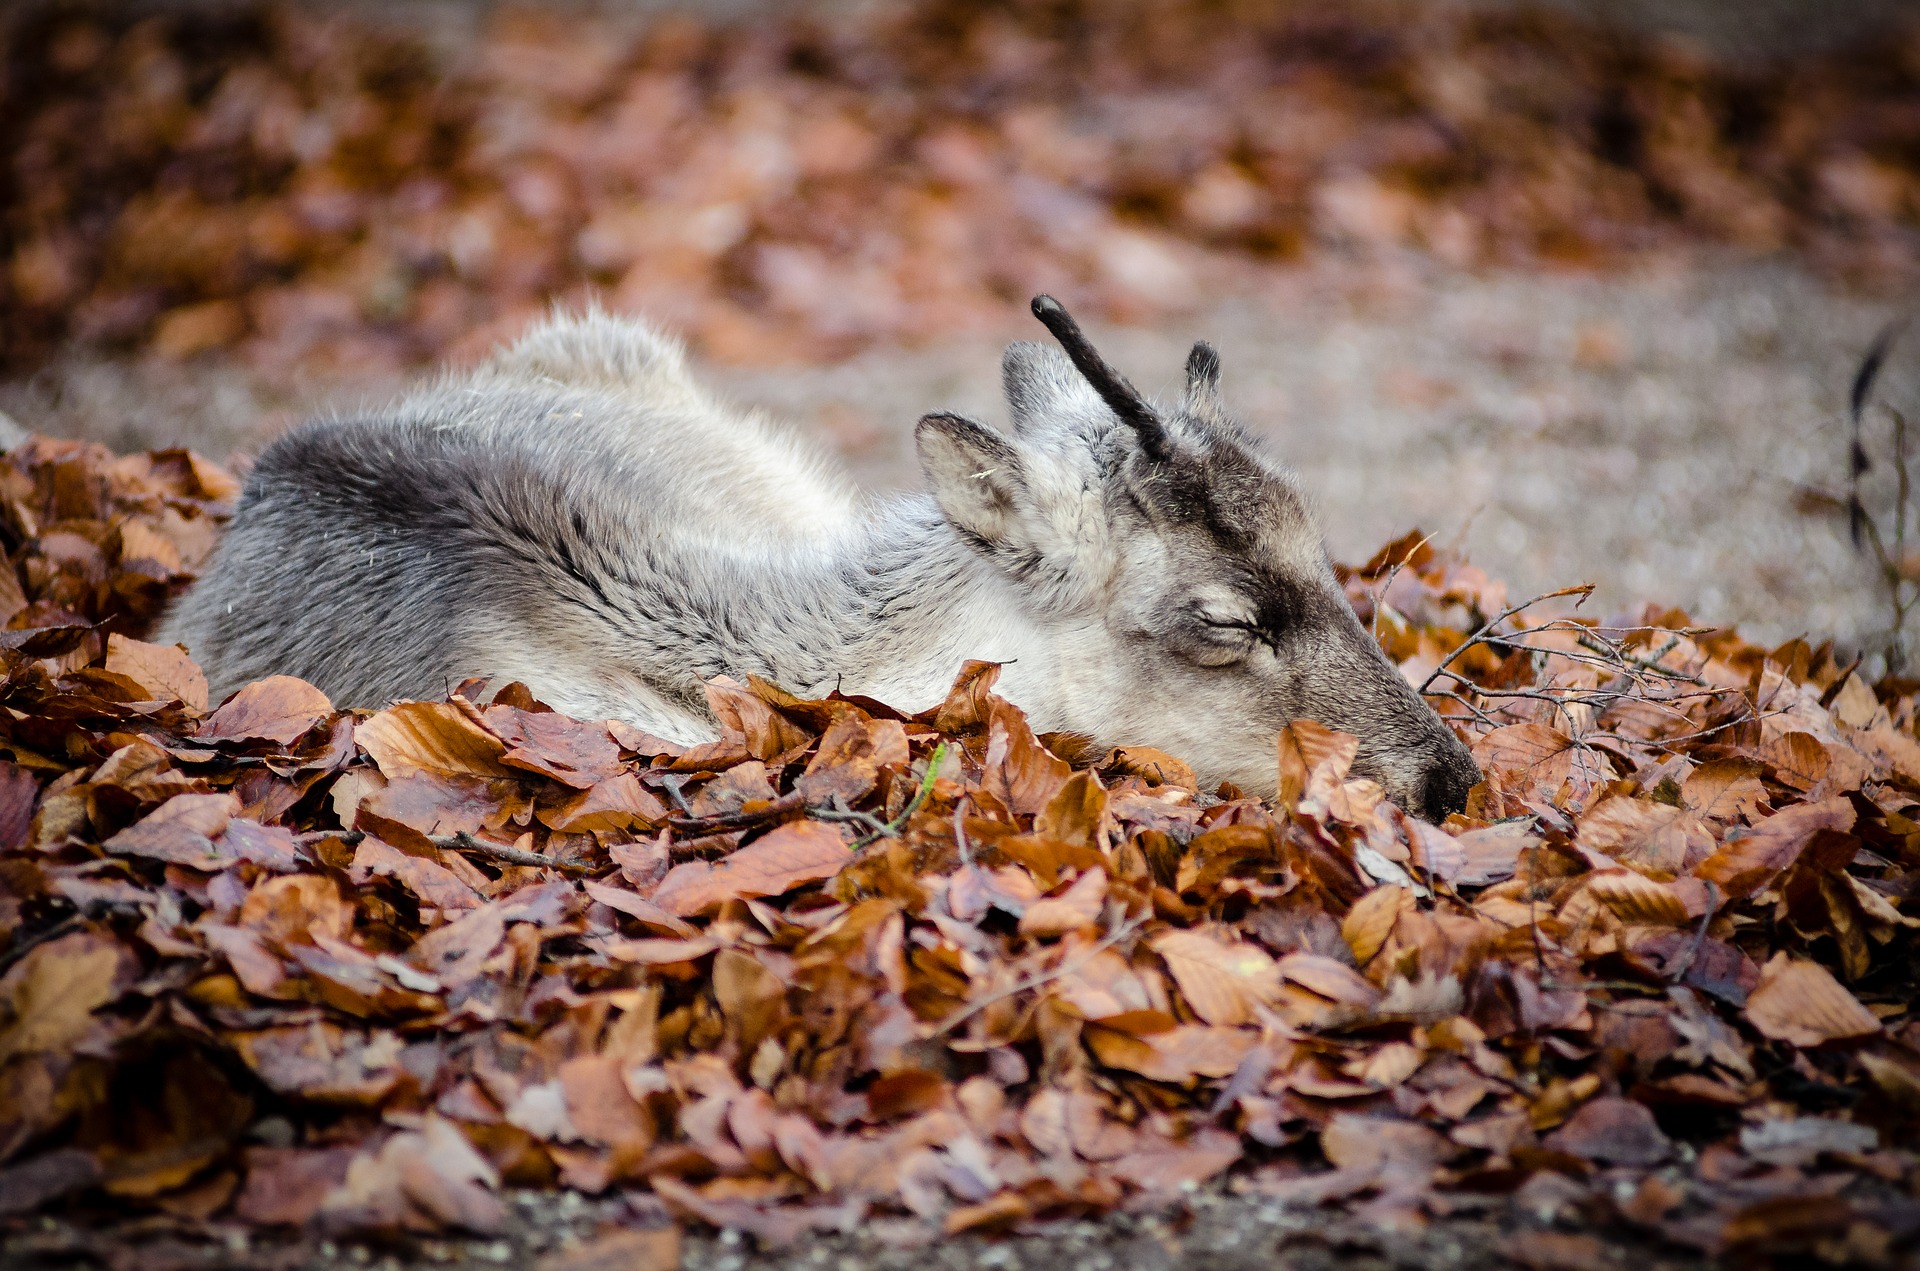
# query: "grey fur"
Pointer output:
{"type": "Point", "coordinates": [579, 515]}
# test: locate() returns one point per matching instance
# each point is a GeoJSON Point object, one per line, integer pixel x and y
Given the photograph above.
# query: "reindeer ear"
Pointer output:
{"type": "Point", "coordinates": [1203, 378]}
{"type": "Point", "coordinates": [1042, 387]}
{"type": "Point", "coordinates": [974, 474]}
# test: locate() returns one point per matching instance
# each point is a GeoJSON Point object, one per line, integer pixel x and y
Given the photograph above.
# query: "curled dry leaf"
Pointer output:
{"type": "Point", "coordinates": [279, 709]}
{"type": "Point", "coordinates": [1800, 1002]}
{"type": "Point", "coordinates": [439, 738]}
{"type": "Point", "coordinates": [786, 858]}
{"type": "Point", "coordinates": [1222, 982]}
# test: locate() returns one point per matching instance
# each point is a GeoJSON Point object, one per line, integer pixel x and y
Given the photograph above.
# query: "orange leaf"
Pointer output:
{"type": "Point", "coordinates": [435, 737]}
{"type": "Point", "coordinates": [1800, 1002]}
{"type": "Point", "coordinates": [1078, 906]}
{"type": "Point", "coordinates": [1308, 748]}
{"type": "Point", "coordinates": [1746, 865]}
{"type": "Point", "coordinates": [1635, 898]}
{"type": "Point", "coordinates": [1221, 981]}
{"type": "Point", "coordinates": [1725, 790]}
{"type": "Point", "coordinates": [279, 709]}
{"type": "Point", "coordinates": [1182, 1054]}
{"type": "Point", "coordinates": [797, 853]}
{"type": "Point", "coordinates": [163, 670]}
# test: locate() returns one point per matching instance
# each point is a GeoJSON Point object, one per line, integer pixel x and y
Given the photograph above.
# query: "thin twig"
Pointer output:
{"type": "Point", "coordinates": [1685, 964]}
{"type": "Point", "coordinates": [892, 828]}
{"type": "Point", "coordinates": [1386, 584]}
{"type": "Point", "coordinates": [506, 855]}
{"type": "Point", "coordinates": [718, 822]}
{"type": "Point", "coordinates": [1583, 590]}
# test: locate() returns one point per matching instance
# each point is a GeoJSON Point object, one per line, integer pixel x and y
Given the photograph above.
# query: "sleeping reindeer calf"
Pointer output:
{"type": "Point", "coordinates": [578, 515]}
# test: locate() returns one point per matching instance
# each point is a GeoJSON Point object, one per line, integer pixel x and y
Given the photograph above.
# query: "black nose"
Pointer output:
{"type": "Point", "coordinates": [1447, 783]}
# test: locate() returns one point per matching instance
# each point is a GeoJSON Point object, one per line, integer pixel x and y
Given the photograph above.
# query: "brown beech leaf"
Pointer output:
{"type": "Point", "coordinates": [278, 709]}
{"type": "Point", "coordinates": [852, 753]}
{"type": "Point", "coordinates": [618, 803]}
{"type": "Point", "coordinates": [1635, 898]}
{"type": "Point", "coordinates": [788, 857]}
{"type": "Point", "coordinates": [1073, 815]}
{"type": "Point", "coordinates": [1182, 1055]}
{"type": "Point", "coordinates": [1745, 865]}
{"type": "Point", "coordinates": [164, 670]}
{"type": "Point", "coordinates": [1800, 1002]}
{"type": "Point", "coordinates": [1372, 918]}
{"type": "Point", "coordinates": [1167, 1167]}
{"type": "Point", "coordinates": [1222, 981]}
{"type": "Point", "coordinates": [51, 993]}
{"type": "Point", "coordinates": [431, 882]}
{"type": "Point", "coordinates": [1018, 770]}
{"type": "Point", "coordinates": [1309, 750]}
{"type": "Point", "coordinates": [325, 1063]}
{"type": "Point", "coordinates": [1075, 908]}
{"type": "Point", "coordinates": [1797, 759]}
{"type": "Point", "coordinates": [182, 831]}
{"type": "Point", "coordinates": [439, 738]}
{"type": "Point", "coordinates": [573, 753]}
{"type": "Point", "coordinates": [1613, 1131]}
{"type": "Point", "coordinates": [1522, 747]}
{"type": "Point", "coordinates": [1725, 790]}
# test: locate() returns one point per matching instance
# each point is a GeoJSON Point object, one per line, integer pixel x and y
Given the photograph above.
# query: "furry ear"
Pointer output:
{"type": "Point", "coordinates": [1042, 388]}
{"type": "Point", "coordinates": [1203, 379]}
{"type": "Point", "coordinates": [975, 475]}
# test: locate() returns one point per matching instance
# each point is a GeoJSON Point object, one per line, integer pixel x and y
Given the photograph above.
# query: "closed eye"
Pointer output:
{"type": "Point", "coordinates": [1243, 625]}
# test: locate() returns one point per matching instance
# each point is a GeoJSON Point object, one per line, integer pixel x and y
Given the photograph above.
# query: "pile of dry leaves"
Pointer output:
{"type": "Point", "coordinates": [270, 964]}
{"type": "Point", "coordinates": [307, 189]}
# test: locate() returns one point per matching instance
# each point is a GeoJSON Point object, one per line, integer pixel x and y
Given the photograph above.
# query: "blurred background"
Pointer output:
{"type": "Point", "coordinates": [1579, 285]}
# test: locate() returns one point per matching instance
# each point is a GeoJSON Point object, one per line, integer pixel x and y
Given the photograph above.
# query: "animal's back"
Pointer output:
{"type": "Point", "coordinates": [523, 504]}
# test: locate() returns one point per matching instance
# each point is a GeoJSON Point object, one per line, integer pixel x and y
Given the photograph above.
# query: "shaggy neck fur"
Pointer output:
{"type": "Point", "coordinates": [891, 609]}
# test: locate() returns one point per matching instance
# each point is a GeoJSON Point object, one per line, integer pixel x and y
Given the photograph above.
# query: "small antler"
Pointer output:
{"type": "Point", "coordinates": [1120, 396]}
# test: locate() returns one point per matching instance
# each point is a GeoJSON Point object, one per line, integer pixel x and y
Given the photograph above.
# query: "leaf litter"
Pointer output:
{"type": "Point", "coordinates": [270, 966]}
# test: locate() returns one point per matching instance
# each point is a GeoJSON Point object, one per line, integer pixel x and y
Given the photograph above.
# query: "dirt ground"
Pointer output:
{"type": "Point", "coordinates": [1210, 1229]}
{"type": "Point", "coordinates": [1658, 434]}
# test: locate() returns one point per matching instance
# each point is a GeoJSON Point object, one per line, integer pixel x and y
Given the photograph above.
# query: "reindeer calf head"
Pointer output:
{"type": "Point", "coordinates": [1180, 572]}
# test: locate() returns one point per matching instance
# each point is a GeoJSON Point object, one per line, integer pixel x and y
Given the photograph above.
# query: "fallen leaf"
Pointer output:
{"type": "Point", "coordinates": [433, 737]}
{"type": "Point", "coordinates": [1613, 1131]}
{"type": "Point", "coordinates": [1745, 865]}
{"type": "Point", "coordinates": [1801, 1003]}
{"type": "Point", "coordinates": [51, 993]}
{"type": "Point", "coordinates": [182, 831]}
{"type": "Point", "coordinates": [787, 857]}
{"type": "Point", "coordinates": [1222, 982]}
{"type": "Point", "coordinates": [164, 670]}
{"type": "Point", "coordinates": [278, 709]}
{"type": "Point", "coordinates": [1180, 1055]}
